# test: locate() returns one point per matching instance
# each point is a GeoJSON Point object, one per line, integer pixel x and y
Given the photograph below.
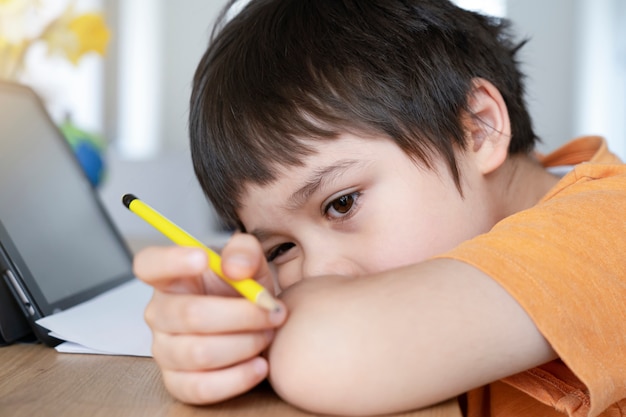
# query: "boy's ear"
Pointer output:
{"type": "Point", "coordinates": [487, 126]}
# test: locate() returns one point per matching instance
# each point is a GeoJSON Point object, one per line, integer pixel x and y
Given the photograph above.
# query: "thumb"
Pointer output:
{"type": "Point", "coordinates": [242, 257]}
{"type": "Point", "coordinates": [239, 265]}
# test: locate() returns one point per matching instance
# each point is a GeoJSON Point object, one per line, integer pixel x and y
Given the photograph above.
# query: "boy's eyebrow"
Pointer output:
{"type": "Point", "coordinates": [315, 181]}
{"type": "Point", "coordinates": [311, 185]}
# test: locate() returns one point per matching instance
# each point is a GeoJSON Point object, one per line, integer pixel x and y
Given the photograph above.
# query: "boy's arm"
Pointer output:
{"type": "Point", "coordinates": [401, 339]}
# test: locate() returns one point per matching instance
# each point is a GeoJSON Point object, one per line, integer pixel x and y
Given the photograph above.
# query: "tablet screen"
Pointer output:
{"type": "Point", "coordinates": [67, 248]}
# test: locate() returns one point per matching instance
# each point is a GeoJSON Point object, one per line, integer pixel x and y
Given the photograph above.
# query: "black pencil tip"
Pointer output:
{"type": "Point", "coordinates": [127, 199]}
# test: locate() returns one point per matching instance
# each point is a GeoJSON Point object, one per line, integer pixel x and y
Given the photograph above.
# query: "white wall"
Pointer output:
{"type": "Point", "coordinates": [576, 66]}
{"type": "Point", "coordinates": [548, 59]}
{"type": "Point", "coordinates": [166, 182]}
{"type": "Point", "coordinates": [186, 36]}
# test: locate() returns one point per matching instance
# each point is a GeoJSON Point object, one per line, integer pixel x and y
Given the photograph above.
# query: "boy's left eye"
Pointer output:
{"type": "Point", "coordinates": [342, 206]}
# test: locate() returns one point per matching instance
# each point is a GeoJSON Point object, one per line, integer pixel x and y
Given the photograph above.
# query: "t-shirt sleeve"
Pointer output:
{"type": "Point", "coordinates": [564, 261]}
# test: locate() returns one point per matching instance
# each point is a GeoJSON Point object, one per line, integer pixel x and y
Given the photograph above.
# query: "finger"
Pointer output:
{"type": "Point", "coordinates": [173, 268]}
{"type": "Point", "coordinates": [215, 386]}
{"type": "Point", "coordinates": [203, 353]}
{"type": "Point", "coordinates": [207, 314]}
{"type": "Point", "coordinates": [243, 258]}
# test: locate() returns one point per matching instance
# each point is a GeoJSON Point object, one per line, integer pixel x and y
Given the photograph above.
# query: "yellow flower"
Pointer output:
{"type": "Point", "coordinates": [74, 36]}
{"type": "Point", "coordinates": [12, 19]}
{"type": "Point", "coordinates": [13, 44]}
{"type": "Point", "coordinates": [13, 4]}
{"type": "Point", "coordinates": [92, 34]}
{"type": "Point", "coordinates": [71, 35]}
{"type": "Point", "coordinates": [10, 57]}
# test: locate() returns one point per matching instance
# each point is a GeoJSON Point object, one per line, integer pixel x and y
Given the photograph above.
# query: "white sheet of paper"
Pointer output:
{"type": "Point", "coordinates": [111, 323]}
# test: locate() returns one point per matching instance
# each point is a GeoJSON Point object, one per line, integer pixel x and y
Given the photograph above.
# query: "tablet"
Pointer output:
{"type": "Point", "coordinates": [58, 246]}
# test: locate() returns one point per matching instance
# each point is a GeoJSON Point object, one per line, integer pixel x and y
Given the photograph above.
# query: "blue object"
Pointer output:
{"type": "Point", "coordinates": [91, 161]}
{"type": "Point", "coordinates": [88, 148]}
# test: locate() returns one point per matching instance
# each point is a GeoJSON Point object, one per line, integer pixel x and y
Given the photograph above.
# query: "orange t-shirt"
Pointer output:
{"type": "Point", "coordinates": [564, 261]}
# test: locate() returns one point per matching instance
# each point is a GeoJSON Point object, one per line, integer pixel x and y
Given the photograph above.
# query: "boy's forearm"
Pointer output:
{"type": "Point", "coordinates": [402, 339]}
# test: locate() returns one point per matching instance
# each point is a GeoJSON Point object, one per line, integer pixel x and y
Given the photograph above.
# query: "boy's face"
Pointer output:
{"type": "Point", "coordinates": [361, 205]}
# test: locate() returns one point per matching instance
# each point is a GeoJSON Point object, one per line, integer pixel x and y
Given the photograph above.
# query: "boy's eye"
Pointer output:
{"type": "Point", "coordinates": [342, 206]}
{"type": "Point", "coordinates": [279, 250]}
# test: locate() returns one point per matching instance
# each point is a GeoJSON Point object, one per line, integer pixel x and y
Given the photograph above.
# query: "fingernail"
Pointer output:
{"type": "Point", "coordinates": [239, 259]}
{"type": "Point", "coordinates": [180, 287]}
{"type": "Point", "coordinates": [196, 259]}
{"type": "Point", "coordinates": [276, 317]}
{"type": "Point", "coordinates": [260, 366]}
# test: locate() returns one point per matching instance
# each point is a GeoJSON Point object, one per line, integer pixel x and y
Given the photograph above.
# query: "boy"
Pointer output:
{"type": "Point", "coordinates": [377, 158]}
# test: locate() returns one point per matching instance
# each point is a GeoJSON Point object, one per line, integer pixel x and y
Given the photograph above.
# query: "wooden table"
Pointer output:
{"type": "Point", "coordinates": [38, 381]}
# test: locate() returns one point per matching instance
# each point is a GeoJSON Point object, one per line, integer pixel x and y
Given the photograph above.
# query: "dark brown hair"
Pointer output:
{"type": "Point", "coordinates": [283, 73]}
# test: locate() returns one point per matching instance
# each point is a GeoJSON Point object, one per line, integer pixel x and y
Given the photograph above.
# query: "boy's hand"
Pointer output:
{"type": "Point", "coordinates": [208, 340]}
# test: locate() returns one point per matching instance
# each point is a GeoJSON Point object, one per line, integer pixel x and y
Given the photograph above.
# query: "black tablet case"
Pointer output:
{"type": "Point", "coordinates": [13, 324]}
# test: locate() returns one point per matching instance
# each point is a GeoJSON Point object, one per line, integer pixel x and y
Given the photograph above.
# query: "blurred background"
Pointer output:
{"type": "Point", "coordinates": [129, 90]}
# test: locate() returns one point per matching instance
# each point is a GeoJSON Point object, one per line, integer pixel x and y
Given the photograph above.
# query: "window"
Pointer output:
{"type": "Point", "coordinates": [600, 88]}
{"type": "Point", "coordinates": [157, 45]}
{"type": "Point", "coordinates": [489, 7]}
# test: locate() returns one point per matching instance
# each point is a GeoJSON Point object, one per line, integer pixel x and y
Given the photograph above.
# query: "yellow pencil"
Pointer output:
{"type": "Point", "coordinates": [249, 288]}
